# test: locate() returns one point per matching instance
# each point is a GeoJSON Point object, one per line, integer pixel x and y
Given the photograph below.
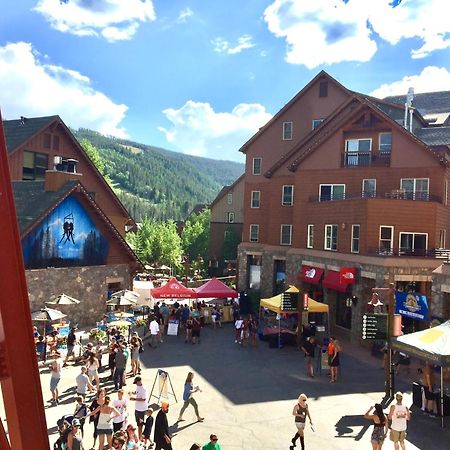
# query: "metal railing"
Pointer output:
{"type": "Point", "coordinates": [438, 253]}
{"type": "Point", "coordinates": [365, 159]}
{"type": "Point", "coordinates": [395, 194]}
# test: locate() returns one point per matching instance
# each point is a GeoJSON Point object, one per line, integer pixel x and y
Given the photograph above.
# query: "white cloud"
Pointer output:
{"type": "Point", "coordinates": [431, 79]}
{"type": "Point", "coordinates": [223, 46]}
{"type": "Point", "coordinates": [333, 31]}
{"type": "Point", "coordinates": [197, 129]}
{"type": "Point", "coordinates": [112, 19]}
{"type": "Point", "coordinates": [184, 15]}
{"type": "Point", "coordinates": [32, 88]}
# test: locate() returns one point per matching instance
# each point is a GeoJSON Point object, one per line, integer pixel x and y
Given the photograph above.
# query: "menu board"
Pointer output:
{"type": "Point", "coordinates": [289, 301]}
{"type": "Point", "coordinates": [375, 327]}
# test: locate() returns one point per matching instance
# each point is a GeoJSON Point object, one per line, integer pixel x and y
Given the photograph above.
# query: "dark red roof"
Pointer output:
{"type": "Point", "coordinates": [214, 288]}
{"type": "Point", "coordinates": [173, 289]}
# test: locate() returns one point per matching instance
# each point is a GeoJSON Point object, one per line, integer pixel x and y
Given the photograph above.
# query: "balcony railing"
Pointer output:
{"type": "Point", "coordinates": [438, 253]}
{"type": "Point", "coordinates": [365, 159]}
{"type": "Point", "coordinates": [395, 194]}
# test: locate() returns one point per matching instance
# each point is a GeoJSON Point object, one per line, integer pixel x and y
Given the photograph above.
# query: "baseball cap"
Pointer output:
{"type": "Point", "coordinates": [398, 394]}
{"type": "Point", "coordinates": [76, 423]}
{"type": "Point", "coordinates": [137, 379]}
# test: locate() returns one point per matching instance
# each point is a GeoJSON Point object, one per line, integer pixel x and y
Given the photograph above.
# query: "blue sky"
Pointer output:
{"type": "Point", "coordinates": [201, 76]}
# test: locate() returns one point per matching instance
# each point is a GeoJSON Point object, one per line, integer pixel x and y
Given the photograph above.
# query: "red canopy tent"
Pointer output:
{"type": "Point", "coordinates": [214, 288]}
{"type": "Point", "coordinates": [173, 289]}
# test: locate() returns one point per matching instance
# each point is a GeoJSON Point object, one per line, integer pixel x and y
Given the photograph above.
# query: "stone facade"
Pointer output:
{"type": "Point", "coordinates": [87, 284]}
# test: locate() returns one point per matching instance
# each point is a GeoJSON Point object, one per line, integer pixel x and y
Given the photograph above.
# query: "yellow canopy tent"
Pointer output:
{"type": "Point", "coordinates": [274, 304]}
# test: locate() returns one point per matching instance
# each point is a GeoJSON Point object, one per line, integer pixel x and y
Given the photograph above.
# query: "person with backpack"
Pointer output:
{"type": "Point", "coordinates": [71, 341]}
{"type": "Point", "coordinates": [81, 411]}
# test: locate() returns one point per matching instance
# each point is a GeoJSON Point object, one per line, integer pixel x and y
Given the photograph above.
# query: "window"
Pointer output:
{"type": "Point", "coordinates": [369, 188]}
{"type": "Point", "coordinates": [287, 198]}
{"type": "Point", "coordinates": [385, 142]}
{"type": "Point", "coordinates": [329, 192]}
{"type": "Point", "coordinates": [442, 238]}
{"type": "Point", "coordinates": [355, 238]}
{"type": "Point", "coordinates": [386, 239]}
{"type": "Point", "coordinates": [287, 131]}
{"type": "Point", "coordinates": [34, 166]}
{"type": "Point", "coordinates": [286, 235]}
{"type": "Point", "coordinates": [343, 311]}
{"type": "Point", "coordinates": [256, 196]}
{"type": "Point", "coordinates": [47, 140]}
{"type": "Point", "coordinates": [230, 217]}
{"type": "Point", "coordinates": [257, 166]}
{"type": "Point", "coordinates": [316, 123]}
{"type": "Point", "coordinates": [254, 233]}
{"type": "Point", "coordinates": [358, 152]}
{"type": "Point", "coordinates": [227, 235]}
{"type": "Point", "coordinates": [330, 237]}
{"type": "Point", "coordinates": [310, 236]}
{"type": "Point", "coordinates": [415, 243]}
{"type": "Point", "coordinates": [230, 198]}
{"type": "Point", "coordinates": [323, 89]}
{"type": "Point", "coordinates": [415, 188]}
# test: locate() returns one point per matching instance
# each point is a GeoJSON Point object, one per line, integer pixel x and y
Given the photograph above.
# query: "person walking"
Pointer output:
{"type": "Point", "coordinates": [212, 444]}
{"type": "Point", "coordinates": [188, 329]}
{"type": "Point", "coordinates": [238, 324]}
{"type": "Point", "coordinates": [135, 356]}
{"type": "Point", "coordinates": [188, 398]}
{"type": "Point", "coordinates": [100, 400]}
{"type": "Point", "coordinates": [106, 414]}
{"type": "Point", "coordinates": [83, 383]}
{"type": "Point", "coordinates": [333, 356]}
{"type": "Point", "coordinates": [154, 333]}
{"type": "Point", "coordinates": [196, 328]}
{"type": "Point", "coordinates": [120, 403]}
{"type": "Point", "coordinates": [75, 438]}
{"type": "Point", "coordinates": [120, 362]}
{"type": "Point", "coordinates": [309, 347]}
{"type": "Point", "coordinates": [80, 413]}
{"type": "Point", "coordinates": [380, 426]}
{"type": "Point", "coordinates": [140, 396]}
{"type": "Point", "coordinates": [162, 437]}
{"type": "Point", "coordinates": [146, 434]}
{"type": "Point", "coordinates": [300, 411]}
{"type": "Point", "coordinates": [55, 378]}
{"type": "Point", "coordinates": [71, 341]}
{"type": "Point", "coordinates": [399, 415]}
{"type": "Point", "coordinates": [93, 366]}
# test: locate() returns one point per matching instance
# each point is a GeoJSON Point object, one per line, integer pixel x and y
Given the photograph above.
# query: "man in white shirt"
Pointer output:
{"type": "Point", "coordinates": [154, 333]}
{"type": "Point", "coordinates": [140, 396]}
{"type": "Point", "coordinates": [121, 405]}
{"type": "Point", "coordinates": [83, 383]}
{"type": "Point", "coordinates": [399, 414]}
{"type": "Point", "coordinates": [238, 327]}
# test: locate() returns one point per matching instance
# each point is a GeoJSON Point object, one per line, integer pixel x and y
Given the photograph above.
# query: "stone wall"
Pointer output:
{"type": "Point", "coordinates": [87, 284]}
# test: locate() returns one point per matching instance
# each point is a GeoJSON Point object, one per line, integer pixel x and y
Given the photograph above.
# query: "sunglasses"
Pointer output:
{"type": "Point", "coordinates": [215, 439]}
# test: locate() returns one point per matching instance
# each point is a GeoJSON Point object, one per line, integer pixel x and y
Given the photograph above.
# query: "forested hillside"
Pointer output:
{"type": "Point", "coordinates": [158, 183]}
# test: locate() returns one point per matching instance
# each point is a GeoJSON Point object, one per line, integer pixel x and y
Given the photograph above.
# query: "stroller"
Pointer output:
{"type": "Point", "coordinates": [64, 425]}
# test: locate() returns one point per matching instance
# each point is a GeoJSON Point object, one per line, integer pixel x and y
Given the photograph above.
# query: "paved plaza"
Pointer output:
{"type": "Point", "coordinates": [248, 395]}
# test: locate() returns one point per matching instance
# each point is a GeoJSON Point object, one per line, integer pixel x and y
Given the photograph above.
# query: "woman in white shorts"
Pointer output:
{"type": "Point", "coordinates": [300, 411]}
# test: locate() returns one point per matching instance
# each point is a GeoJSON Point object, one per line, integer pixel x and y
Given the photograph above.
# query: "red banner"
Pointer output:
{"type": "Point", "coordinates": [347, 275]}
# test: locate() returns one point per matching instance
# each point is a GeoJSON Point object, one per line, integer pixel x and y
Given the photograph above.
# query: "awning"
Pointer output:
{"type": "Point", "coordinates": [311, 275]}
{"type": "Point", "coordinates": [332, 280]}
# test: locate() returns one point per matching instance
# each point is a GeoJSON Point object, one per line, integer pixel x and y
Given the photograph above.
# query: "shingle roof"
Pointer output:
{"type": "Point", "coordinates": [32, 201]}
{"type": "Point", "coordinates": [434, 135]}
{"type": "Point", "coordinates": [426, 103]}
{"type": "Point", "coordinates": [18, 132]}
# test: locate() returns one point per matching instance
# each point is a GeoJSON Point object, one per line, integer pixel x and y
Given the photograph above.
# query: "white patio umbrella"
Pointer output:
{"type": "Point", "coordinates": [63, 299]}
{"type": "Point", "coordinates": [121, 301]}
{"type": "Point", "coordinates": [127, 294]}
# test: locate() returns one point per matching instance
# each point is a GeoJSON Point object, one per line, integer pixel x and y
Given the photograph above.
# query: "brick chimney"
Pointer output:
{"type": "Point", "coordinates": [55, 179]}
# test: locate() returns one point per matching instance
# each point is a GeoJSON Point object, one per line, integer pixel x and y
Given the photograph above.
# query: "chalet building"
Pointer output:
{"type": "Point", "coordinates": [338, 183]}
{"type": "Point", "coordinates": [71, 223]}
{"type": "Point", "coordinates": [225, 232]}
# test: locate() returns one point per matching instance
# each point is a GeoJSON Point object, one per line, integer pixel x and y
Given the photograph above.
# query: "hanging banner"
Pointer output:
{"type": "Point", "coordinates": [411, 304]}
{"type": "Point", "coordinates": [347, 275]}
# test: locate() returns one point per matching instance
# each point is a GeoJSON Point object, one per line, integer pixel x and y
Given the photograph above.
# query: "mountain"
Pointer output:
{"type": "Point", "coordinates": [159, 183]}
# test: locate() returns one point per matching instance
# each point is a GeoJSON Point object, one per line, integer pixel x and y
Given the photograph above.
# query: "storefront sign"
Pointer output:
{"type": "Point", "coordinates": [305, 301]}
{"type": "Point", "coordinates": [412, 305]}
{"type": "Point", "coordinates": [347, 275]}
{"type": "Point", "coordinates": [289, 301]}
{"type": "Point", "coordinates": [374, 326]}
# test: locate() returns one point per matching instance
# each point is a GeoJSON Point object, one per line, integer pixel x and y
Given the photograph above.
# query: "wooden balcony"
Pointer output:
{"type": "Point", "coordinates": [366, 159]}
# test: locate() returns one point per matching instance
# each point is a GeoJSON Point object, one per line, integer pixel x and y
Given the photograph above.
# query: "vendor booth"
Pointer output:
{"type": "Point", "coordinates": [214, 292]}
{"type": "Point", "coordinates": [285, 322]}
{"type": "Point", "coordinates": [173, 289]}
{"type": "Point", "coordinates": [433, 346]}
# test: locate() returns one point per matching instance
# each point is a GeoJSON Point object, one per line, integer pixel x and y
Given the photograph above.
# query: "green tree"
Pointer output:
{"type": "Point", "coordinates": [157, 243]}
{"type": "Point", "coordinates": [195, 239]}
{"type": "Point", "coordinates": [94, 155]}
{"type": "Point", "coordinates": [230, 244]}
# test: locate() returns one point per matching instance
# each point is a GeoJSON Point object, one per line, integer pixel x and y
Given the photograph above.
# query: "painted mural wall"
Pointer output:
{"type": "Point", "coordinates": [67, 237]}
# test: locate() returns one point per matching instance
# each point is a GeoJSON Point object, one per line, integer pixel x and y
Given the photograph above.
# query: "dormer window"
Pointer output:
{"type": "Point", "coordinates": [287, 131]}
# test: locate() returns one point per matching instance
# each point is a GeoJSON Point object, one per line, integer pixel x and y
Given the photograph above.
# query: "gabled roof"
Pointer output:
{"type": "Point", "coordinates": [321, 74]}
{"type": "Point", "coordinates": [434, 135]}
{"type": "Point", "coordinates": [225, 190]}
{"type": "Point", "coordinates": [17, 132]}
{"type": "Point", "coordinates": [339, 117]}
{"type": "Point", "coordinates": [33, 204]}
{"type": "Point", "coordinates": [427, 102]}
